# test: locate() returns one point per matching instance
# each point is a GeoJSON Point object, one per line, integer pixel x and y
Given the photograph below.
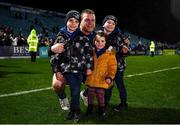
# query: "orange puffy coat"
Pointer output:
{"type": "Point", "coordinates": [104, 66]}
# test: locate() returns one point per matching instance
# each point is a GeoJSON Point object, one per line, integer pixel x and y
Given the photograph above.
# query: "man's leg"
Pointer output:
{"type": "Point", "coordinates": [75, 80]}
{"type": "Point", "coordinates": [84, 96]}
{"type": "Point", "coordinates": [59, 88]}
{"type": "Point", "coordinates": [84, 93]}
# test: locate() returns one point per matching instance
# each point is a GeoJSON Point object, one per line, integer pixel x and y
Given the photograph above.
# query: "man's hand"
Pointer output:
{"type": "Point", "coordinates": [59, 76]}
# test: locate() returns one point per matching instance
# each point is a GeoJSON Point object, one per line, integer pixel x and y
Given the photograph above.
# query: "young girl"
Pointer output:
{"type": "Point", "coordinates": [59, 60]}
{"type": "Point", "coordinates": [104, 71]}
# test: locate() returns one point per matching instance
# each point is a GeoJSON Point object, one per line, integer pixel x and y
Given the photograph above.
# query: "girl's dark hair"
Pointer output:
{"type": "Point", "coordinates": [101, 33]}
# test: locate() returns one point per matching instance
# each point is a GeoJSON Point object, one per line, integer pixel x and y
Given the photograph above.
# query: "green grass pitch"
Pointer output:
{"type": "Point", "coordinates": [153, 88]}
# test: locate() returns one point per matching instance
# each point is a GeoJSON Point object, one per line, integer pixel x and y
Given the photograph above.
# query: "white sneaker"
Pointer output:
{"type": "Point", "coordinates": [84, 98]}
{"type": "Point", "coordinates": [64, 104]}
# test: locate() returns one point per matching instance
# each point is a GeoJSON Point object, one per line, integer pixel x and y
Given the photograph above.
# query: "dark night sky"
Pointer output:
{"type": "Point", "coordinates": [149, 19]}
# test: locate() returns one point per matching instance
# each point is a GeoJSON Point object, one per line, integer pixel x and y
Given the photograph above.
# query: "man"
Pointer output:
{"type": "Point", "coordinates": [87, 26]}
{"type": "Point", "coordinates": [33, 44]}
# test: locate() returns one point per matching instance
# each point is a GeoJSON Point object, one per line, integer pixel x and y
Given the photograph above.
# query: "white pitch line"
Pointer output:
{"type": "Point", "coordinates": [37, 90]}
{"type": "Point", "coordinates": [24, 92]}
{"type": "Point", "coordinates": [156, 71]}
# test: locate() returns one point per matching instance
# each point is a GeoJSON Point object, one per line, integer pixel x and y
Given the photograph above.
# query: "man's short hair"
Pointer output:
{"type": "Point", "coordinates": [89, 11]}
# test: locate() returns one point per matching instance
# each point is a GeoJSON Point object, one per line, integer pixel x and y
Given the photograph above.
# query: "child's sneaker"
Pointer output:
{"type": "Point", "coordinates": [84, 98]}
{"type": "Point", "coordinates": [64, 104]}
{"type": "Point", "coordinates": [120, 107]}
{"type": "Point", "coordinates": [70, 115]}
{"type": "Point", "coordinates": [102, 112]}
{"type": "Point", "coordinates": [76, 117]}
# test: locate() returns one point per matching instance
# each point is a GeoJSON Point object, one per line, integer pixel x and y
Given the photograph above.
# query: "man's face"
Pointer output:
{"type": "Point", "coordinates": [88, 23]}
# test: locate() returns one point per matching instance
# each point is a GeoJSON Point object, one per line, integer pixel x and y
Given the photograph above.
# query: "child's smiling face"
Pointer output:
{"type": "Point", "coordinates": [100, 42]}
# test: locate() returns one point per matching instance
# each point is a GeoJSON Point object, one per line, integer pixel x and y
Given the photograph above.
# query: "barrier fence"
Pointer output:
{"type": "Point", "coordinates": [22, 52]}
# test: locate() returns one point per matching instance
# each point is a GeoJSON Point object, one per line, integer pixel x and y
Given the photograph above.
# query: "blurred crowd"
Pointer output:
{"type": "Point", "coordinates": [9, 38]}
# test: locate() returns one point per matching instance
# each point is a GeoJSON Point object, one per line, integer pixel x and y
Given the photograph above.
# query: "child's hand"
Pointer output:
{"type": "Point", "coordinates": [125, 49]}
{"type": "Point", "coordinates": [110, 48]}
{"type": "Point", "coordinates": [108, 81]}
{"type": "Point", "coordinates": [57, 48]}
{"type": "Point", "coordinates": [88, 72]}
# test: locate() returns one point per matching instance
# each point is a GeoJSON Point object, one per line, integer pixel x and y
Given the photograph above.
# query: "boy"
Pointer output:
{"type": "Point", "coordinates": [59, 60]}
